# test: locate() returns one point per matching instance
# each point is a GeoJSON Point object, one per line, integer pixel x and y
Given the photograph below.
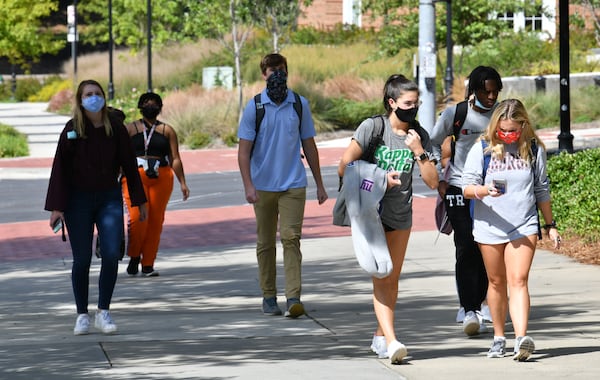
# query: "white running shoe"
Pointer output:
{"type": "Point", "coordinates": [524, 347]}
{"type": "Point", "coordinates": [460, 315]}
{"type": "Point", "coordinates": [82, 325]}
{"type": "Point", "coordinates": [485, 312]}
{"type": "Point", "coordinates": [396, 351]}
{"type": "Point", "coordinates": [471, 324]}
{"type": "Point", "coordinates": [378, 346]}
{"type": "Point", "coordinates": [482, 327]}
{"type": "Point", "coordinates": [104, 322]}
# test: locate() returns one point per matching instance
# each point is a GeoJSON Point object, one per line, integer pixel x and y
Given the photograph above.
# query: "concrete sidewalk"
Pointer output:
{"type": "Point", "coordinates": [201, 319]}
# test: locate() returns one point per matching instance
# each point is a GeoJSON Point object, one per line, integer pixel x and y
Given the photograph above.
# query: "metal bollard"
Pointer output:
{"type": "Point", "coordinates": [540, 84]}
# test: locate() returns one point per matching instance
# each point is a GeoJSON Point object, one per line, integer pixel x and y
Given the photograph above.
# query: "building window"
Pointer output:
{"type": "Point", "coordinates": [508, 18]}
{"type": "Point", "coordinates": [533, 22]}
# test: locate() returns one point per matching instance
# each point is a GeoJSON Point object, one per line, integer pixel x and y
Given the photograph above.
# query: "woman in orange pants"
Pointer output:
{"type": "Point", "coordinates": [157, 151]}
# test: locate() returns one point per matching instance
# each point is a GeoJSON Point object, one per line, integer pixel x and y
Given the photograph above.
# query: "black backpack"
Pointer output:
{"type": "Point", "coordinates": [260, 110]}
{"type": "Point", "coordinates": [260, 113]}
{"type": "Point", "coordinates": [459, 119]}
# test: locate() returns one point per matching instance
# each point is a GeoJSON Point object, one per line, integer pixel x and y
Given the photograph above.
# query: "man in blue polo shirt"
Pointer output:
{"type": "Point", "coordinates": [274, 177]}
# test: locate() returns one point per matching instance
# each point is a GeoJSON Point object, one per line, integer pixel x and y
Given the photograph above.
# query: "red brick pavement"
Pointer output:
{"type": "Point", "coordinates": [196, 228]}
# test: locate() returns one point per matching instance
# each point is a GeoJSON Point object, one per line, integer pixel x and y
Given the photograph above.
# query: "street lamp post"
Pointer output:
{"type": "Point", "coordinates": [565, 138]}
{"type": "Point", "coordinates": [111, 89]}
{"type": "Point", "coordinates": [449, 78]}
{"type": "Point", "coordinates": [149, 45]}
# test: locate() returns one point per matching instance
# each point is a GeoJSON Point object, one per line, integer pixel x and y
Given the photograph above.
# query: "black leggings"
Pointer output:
{"type": "Point", "coordinates": [471, 277]}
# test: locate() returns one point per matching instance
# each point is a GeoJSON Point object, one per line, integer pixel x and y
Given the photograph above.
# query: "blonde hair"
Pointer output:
{"type": "Point", "coordinates": [78, 110]}
{"type": "Point", "coordinates": [511, 109]}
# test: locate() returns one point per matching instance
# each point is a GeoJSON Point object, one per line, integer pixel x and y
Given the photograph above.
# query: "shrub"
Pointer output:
{"type": "Point", "coordinates": [575, 206]}
{"type": "Point", "coordinates": [51, 87]}
{"type": "Point", "coordinates": [197, 140]}
{"type": "Point", "coordinates": [12, 142]}
{"type": "Point", "coordinates": [26, 87]}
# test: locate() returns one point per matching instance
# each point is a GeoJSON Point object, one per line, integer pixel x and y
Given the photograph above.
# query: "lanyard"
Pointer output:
{"type": "Point", "coordinates": [148, 136]}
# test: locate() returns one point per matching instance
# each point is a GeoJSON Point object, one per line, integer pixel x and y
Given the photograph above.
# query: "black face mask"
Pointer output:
{"type": "Point", "coordinates": [407, 116]}
{"type": "Point", "coordinates": [277, 86]}
{"type": "Point", "coordinates": [150, 112]}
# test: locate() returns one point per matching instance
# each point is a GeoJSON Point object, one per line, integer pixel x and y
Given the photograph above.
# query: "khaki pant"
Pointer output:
{"type": "Point", "coordinates": [288, 207]}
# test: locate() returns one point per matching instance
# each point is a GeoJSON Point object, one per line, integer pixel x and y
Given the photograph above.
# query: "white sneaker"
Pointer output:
{"type": "Point", "coordinates": [471, 324]}
{"type": "Point", "coordinates": [396, 351]}
{"type": "Point", "coordinates": [378, 346]}
{"type": "Point", "coordinates": [524, 347]}
{"type": "Point", "coordinates": [482, 327]}
{"type": "Point", "coordinates": [82, 325]}
{"type": "Point", "coordinates": [104, 322]}
{"type": "Point", "coordinates": [460, 316]}
{"type": "Point", "coordinates": [485, 312]}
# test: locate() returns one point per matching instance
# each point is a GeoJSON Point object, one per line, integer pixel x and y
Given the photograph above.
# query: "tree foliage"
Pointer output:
{"type": "Point", "coordinates": [278, 18]}
{"type": "Point", "coordinates": [172, 21]}
{"type": "Point", "coordinates": [593, 8]}
{"type": "Point", "coordinates": [473, 21]}
{"type": "Point", "coordinates": [23, 33]}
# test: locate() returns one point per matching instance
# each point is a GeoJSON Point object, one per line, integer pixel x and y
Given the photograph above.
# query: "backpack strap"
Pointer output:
{"type": "Point", "coordinates": [260, 110]}
{"type": "Point", "coordinates": [460, 115]}
{"type": "Point", "coordinates": [260, 113]}
{"type": "Point", "coordinates": [375, 140]}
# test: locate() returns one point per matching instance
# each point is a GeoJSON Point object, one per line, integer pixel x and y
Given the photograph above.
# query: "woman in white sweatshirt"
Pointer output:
{"type": "Point", "coordinates": [509, 183]}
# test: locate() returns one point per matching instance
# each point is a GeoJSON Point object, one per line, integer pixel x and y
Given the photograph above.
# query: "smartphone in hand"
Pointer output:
{"type": "Point", "coordinates": [500, 185]}
{"type": "Point", "coordinates": [58, 224]}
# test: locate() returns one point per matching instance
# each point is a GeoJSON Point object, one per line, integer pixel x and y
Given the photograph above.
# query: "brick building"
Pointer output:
{"type": "Point", "coordinates": [325, 14]}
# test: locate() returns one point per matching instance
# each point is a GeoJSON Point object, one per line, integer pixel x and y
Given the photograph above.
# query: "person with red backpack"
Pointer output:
{"type": "Point", "coordinates": [465, 122]}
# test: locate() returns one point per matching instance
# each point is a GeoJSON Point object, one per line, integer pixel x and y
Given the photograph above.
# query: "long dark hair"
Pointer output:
{"type": "Point", "coordinates": [395, 86]}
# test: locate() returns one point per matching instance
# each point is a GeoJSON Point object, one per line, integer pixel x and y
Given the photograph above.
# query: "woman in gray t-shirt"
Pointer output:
{"type": "Point", "coordinates": [508, 192]}
{"type": "Point", "coordinates": [404, 143]}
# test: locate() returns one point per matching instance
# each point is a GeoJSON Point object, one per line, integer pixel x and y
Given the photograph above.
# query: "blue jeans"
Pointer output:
{"type": "Point", "coordinates": [104, 209]}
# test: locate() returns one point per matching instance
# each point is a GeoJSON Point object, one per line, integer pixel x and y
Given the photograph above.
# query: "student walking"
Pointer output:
{"type": "Point", "coordinates": [404, 145]}
{"type": "Point", "coordinates": [274, 177]}
{"type": "Point", "coordinates": [157, 151]}
{"type": "Point", "coordinates": [84, 192]}
{"type": "Point", "coordinates": [506, 176]}
{"type": "Point", "coordinates": [465, 129]}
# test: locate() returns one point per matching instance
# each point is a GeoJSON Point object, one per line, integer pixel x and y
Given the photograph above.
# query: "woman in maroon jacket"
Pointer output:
{"type": "Point", "coordinates": [84, 192]}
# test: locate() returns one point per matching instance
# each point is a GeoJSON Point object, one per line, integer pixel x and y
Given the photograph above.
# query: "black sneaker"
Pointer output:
{"type": "Point", "coordinates": [149, 272]}
{"type": "Point", "coordinates": [132, 268]}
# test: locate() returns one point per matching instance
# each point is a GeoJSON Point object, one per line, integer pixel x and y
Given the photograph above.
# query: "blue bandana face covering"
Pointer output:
{"type": "Point", "coordinates": [93, 103]}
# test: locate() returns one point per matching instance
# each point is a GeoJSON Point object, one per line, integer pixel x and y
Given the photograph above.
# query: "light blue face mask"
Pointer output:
{"type": "Point", "coordinates": [478, 104]}
{"type": "Point", "coordinates": [93, 103]}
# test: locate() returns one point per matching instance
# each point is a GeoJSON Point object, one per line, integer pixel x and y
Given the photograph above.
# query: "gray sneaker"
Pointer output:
{"type": "Point", "coordinates": [294, 308]}
{"type": "Point", "coordinates": [524, 347]}
{"type": "Point", "coordinates": [498, 349]}
{"type": "Point", "coordinates": [269, 306]}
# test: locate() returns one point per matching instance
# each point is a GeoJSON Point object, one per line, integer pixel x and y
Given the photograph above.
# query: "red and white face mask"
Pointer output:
{"type": "Point", "coordinates": [508, 137]}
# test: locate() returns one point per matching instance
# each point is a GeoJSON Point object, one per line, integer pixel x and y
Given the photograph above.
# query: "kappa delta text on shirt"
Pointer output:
{"type": "Point", "coordinates": [401, 160]}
